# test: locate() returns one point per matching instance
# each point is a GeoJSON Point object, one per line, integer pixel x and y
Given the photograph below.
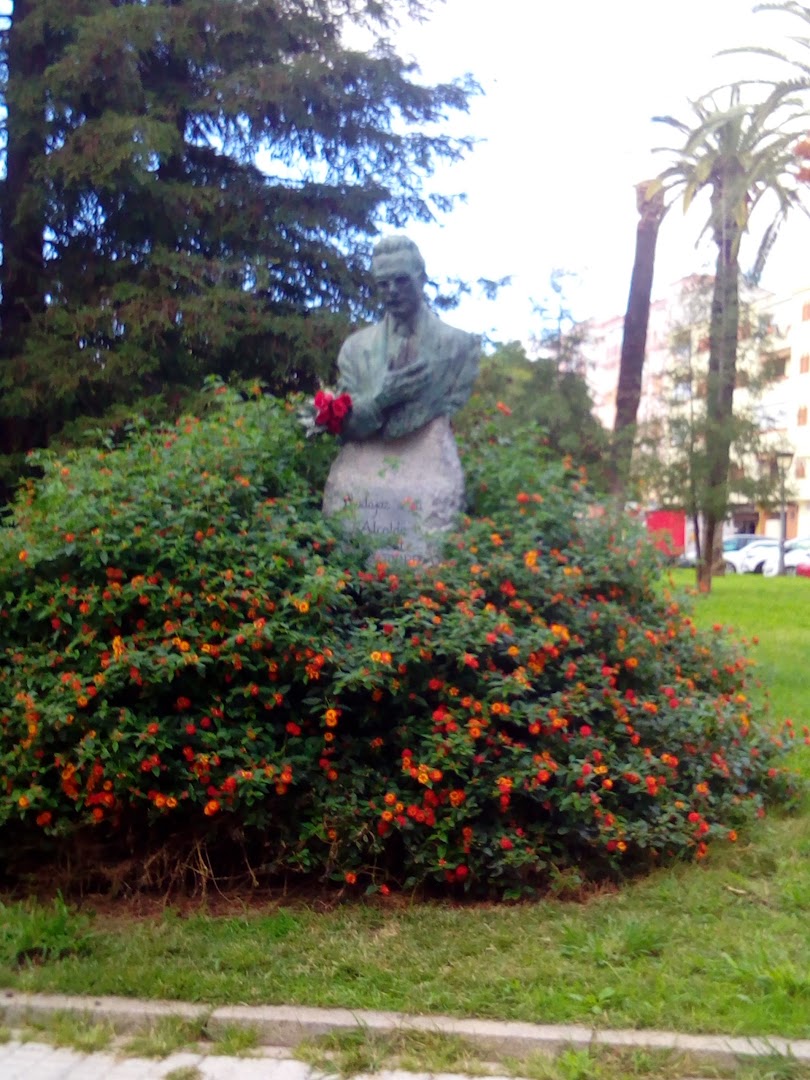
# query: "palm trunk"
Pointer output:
{"type": "Point", "coordinates": [723, 331]}
{"type": "Point", "coordinates": [650, 203]}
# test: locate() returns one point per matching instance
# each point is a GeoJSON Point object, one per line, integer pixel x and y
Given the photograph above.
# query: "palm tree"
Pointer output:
{"type": "Point", "coordinates": [740, 153]}
{"type": "Point", "coordinates": [798, 76]}
{"type": "Point", "coordinates": [651, 208]}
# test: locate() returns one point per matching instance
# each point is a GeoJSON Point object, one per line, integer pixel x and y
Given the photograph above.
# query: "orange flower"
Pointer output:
{"type": "Point", "coordinates": [350, 878]}
{"type": "Point", "coordinates": [503, 408]}
{"type": "Point", "coordinates": [496, 539]}
{"type": "Point", "coordinates": [211, 807]}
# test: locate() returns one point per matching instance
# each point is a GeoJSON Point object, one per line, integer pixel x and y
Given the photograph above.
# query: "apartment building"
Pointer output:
{"type": "Point", "coordinates": [782, 322]}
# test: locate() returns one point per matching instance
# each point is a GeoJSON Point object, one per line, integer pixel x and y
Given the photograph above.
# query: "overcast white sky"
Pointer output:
{"type": "Point", "coordinates": [570, 90]}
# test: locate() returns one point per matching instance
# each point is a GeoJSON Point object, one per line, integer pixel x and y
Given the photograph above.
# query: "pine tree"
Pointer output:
{"type": "Point", "coordinates": [191, 187]}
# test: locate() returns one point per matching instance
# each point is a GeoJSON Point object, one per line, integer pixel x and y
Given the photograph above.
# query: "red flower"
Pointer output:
{"type": "Point", "coordinates": [506, 844]}
{"type": "Point", "coordinates": [330, 411]}
{"type": "Point", "coordinates": [341, 406]}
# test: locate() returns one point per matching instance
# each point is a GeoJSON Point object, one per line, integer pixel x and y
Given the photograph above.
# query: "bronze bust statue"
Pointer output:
{"type": "Point", "coordinates": [410, 367]}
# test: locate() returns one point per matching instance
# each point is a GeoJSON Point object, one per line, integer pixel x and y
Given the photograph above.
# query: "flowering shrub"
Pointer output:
{"type": "Point", "coordinates": [191, 653]}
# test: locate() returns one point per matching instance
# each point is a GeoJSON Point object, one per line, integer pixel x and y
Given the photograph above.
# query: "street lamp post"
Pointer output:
{"type": "Point", "coordinates": [783, 459]}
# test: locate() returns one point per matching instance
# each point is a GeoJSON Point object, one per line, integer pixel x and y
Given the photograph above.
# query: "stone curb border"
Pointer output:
{"type": "Point", "coordinates": [288, 1025]}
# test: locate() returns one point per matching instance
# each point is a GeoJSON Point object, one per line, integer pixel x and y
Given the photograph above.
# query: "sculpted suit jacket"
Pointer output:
{"type": "Point", "coordinates": [451, 357]}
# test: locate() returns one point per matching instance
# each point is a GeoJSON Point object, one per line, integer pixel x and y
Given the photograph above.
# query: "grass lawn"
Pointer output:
{"type": "Point", "coordinates": [716, 946]}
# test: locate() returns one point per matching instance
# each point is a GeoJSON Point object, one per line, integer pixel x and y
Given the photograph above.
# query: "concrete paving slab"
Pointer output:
{"type": "Point", "coordinates": [285, 1025]}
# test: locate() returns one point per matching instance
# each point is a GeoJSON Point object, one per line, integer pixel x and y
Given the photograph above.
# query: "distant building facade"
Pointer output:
{"type": "Point", "coordinates": [783, 407]}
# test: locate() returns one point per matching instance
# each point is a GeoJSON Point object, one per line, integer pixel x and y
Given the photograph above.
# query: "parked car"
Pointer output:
{"type": "Point", "coordinates": [739, 540]}
{"type": "Point", "coordinates": [748, 558]}
{"type": "Point", "coordinates": [688, 559]}
{"type": "Point", "coordinates": [796, 551]}
{"type": "Point", "coordinates": [754, 555]}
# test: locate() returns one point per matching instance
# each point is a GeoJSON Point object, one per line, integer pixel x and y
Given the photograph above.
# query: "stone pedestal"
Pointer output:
{"type": "Point", "coordinates": [405, 492]}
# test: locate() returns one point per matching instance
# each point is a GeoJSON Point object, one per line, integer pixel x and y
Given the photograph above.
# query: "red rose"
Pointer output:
{"type": "Point", "coordinates": [341, 406]}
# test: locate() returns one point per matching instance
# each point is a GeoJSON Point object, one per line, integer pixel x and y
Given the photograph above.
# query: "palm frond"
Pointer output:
{"type": "Point", "coordinates": [673, 122]}
{"type": "Point", "coordinates": [787, 7]}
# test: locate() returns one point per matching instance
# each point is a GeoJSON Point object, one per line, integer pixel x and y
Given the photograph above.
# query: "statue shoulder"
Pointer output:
{"type": "Point", "coordinates": [362, 337]}
{"type": "Point", "coordinates": [451, 338]}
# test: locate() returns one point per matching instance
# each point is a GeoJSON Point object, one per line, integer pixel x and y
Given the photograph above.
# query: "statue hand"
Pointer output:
{"type": "Point", "coordinates": [403, 384]}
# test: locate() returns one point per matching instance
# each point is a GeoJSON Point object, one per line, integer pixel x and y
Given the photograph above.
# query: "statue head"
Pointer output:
{"type": "Point", "coordinates": [399, 275]}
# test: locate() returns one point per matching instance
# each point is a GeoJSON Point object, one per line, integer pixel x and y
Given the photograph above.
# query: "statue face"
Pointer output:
{"type": "Point", "coordinates": [398, 285]}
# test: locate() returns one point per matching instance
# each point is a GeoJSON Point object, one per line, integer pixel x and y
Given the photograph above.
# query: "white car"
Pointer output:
{"type": "Point", "coordinates": [736, 561]}
{"type": "Point", "coordinates": [796, 551]}
{"type": "Point", "coordinates": [756, 554]}
{"type": "Point", "coordinates": [733, 547]}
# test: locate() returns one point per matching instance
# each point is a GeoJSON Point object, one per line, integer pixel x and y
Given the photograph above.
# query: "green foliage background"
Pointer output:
{"type": "Point", "coordinates": [191, 189]}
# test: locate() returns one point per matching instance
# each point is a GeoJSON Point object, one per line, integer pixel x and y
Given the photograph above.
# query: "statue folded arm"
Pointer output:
{"type": "Point", "coordinates": [361, 382]}
{"type": "Point", "coordinates": [375, 390]}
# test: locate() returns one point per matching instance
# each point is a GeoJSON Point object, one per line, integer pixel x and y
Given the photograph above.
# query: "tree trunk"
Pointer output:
{"type": "Point", "coordinates": [23, 204]}
{"type": "Point", "coordinates": [723, 332]}
{"type": "Point", "coordinates": [650, 203]}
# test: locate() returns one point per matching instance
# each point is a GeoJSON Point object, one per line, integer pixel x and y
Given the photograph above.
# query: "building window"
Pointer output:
{"type": "Point", "coordinates": [806, 313]}
{"type": "Point", "coordinates": [775, 365]}
{"type": "Point", "coordinates": [801, 419]}
{"type": "Point", "coordinates": [804, 364]}
{"type": "Point", "coordinates": [801, 468]}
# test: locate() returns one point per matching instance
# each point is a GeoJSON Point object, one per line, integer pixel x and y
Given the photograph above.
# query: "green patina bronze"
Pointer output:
{"type": "Point", "coordinates": [410, 367]}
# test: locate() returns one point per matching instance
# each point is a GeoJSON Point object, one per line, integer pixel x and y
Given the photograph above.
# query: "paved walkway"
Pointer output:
{"type": "Point", "coordinates": [283, 1026]}
{"type": "Point", "coordinates": [36, 1061]}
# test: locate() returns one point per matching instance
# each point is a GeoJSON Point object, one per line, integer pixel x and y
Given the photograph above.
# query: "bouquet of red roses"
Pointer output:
{"type": "Point", "coordinates": [331, 411]}
{"type": "Point", "coordinates": [326, 412]}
